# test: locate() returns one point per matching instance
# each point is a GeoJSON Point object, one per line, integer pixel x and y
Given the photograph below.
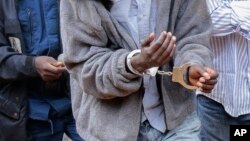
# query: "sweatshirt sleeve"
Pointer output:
{"type": "Point", "coordinates": [193, 30]}
{"type": "Point", "coordinates": [93, 60]}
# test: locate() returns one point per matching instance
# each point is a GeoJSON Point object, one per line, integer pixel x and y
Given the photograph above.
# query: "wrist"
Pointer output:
{"type": "Point", "coordinates": [132, 62]}
{"type": "Point", "coordinates": [31, 62]}
{"type": "Point", "coordinates": [186, 76]}
{"type": "Point", "coordinates": [137, 64]}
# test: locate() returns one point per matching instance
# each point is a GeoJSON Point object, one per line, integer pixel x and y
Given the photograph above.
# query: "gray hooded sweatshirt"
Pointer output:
{"type": "Point", "coordinates": [106, 98]}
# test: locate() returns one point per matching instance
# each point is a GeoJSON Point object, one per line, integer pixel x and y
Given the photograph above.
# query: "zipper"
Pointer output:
{"type": "Point", "coordinates": [59, 25]}
{"type": "Point", "coordinates": [44, 24]}
{"type": "Point", "coordinates": [30, 26]}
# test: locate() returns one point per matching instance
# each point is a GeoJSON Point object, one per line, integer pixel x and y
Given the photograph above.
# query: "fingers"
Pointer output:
{"type": "Point", "coordinates": [206, 75]}
{"type": "Point", "coordinates": [157, 44]}
{"type": "Point", "coordinates": [53, 66]}
{"type": "Point", "coordinates": [167, 41]}
{"type": "Point", "coordinates": [199, 71]}
{"type": "Point", "coordinates": [196, 72]}
{"type": "Point", "coordinates": [206, 85]}
{"type": "Point", "coordinates": [164, 48]}
{"type": "Point", "coordinates": [161, 47]}
{"type": "Point", "coordinates": [54, 70]}
{"type": "Point", "coordinates": [52, 73]}
{"type": "Point", "coordinates": [51, 61]}
{"type": "Point", "coordinates": [60, 64]}
{"type": "Point", "coordinates": [205, 90]}
{"type": "Point", "coordinates": [203, 77]}
{"type": "Point", "coordinates": [210, 73]}
{"type": "Point", "coordinates": [169, 52]}
{"type": "Point", "coordinates": [209, 82]}
{"type": "Point", "coordinates": [148, 41]}
{"type": "Point", "coordinates": [155, 54]}
{"type": "Point", "coordinates": [213, 74]}
{"type": "Point", "coordinates": [49, 68]}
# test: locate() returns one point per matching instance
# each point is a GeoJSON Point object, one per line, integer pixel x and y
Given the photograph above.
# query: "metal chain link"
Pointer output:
{"type": "Point", "coordinates": [169, 73]}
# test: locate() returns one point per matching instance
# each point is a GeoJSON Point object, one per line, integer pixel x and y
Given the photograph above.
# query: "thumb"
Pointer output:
{"type": "Point", "coordinates": [59, 64]}
{"type": "Point", "coordinates": [198, 71]}
{"type": "Point", "coordinates": [53, 62]}
{"type": "Point", "coordinates": [147, 42]}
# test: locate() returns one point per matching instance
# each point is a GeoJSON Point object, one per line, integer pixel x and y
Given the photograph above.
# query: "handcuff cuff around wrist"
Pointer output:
{"type": "Point", "coordinates": [179, 74]}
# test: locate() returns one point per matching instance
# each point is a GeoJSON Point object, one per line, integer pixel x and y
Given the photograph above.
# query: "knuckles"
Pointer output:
{"type": "Point", "coordinates": [158, 43]}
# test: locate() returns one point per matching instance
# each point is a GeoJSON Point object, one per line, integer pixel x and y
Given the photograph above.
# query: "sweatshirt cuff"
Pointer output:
{"type": "Point", "coordinates": [30, 63]}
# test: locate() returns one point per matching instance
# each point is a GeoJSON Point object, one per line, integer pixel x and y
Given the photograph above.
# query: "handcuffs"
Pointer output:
{"type": "Point", "coordinates": [179, 77]}
{"type": "Point", "coordinates": [177, 74]}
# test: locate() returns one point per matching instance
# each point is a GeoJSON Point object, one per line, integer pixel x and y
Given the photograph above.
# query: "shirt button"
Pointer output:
{"type": "Point", "coordinates": [141, 17]}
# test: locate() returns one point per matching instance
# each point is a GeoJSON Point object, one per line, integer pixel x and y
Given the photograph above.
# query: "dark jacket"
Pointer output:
{"type": "Point", "coordinates": [16, 71]}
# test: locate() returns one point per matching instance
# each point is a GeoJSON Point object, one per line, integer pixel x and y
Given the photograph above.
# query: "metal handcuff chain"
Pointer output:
{"type": "Point", "coordinates": [177, 76]}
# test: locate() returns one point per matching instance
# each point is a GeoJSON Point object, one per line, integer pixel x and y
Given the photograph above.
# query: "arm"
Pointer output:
{"type": "Point", "coordinates": [230, 17]}
{"type": "Point", "coordinates": [193, 30]}
{"type": "Point", "coordinates": [13, 66]}
{"type": "Point", "coordinates": [98, 67]}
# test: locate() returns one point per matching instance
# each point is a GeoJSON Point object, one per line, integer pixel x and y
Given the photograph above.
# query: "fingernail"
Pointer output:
{"type": "Point", "coordinates": [151, 34]}
{"type": "Point", "coordinates": [174, 38]}
{"type": "Point", "coordinates": [199, 84]}
{"type": "Point", "coordinates": [207, 76]}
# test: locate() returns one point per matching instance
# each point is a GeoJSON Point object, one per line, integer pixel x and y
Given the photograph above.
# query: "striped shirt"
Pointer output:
{"type": "Point", "coordinates": [231, 47]}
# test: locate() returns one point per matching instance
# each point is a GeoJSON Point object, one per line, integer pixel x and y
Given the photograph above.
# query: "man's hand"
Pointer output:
{"type": "Point", "coordinates": [48, 68]}
{"type": "Point", "coordinates": [204, 78]}
{"type": "Point", "coordinates": [155, 54]}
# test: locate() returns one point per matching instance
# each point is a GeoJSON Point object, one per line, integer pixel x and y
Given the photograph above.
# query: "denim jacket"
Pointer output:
{"type": "Point", "coordinates": [17, 70]}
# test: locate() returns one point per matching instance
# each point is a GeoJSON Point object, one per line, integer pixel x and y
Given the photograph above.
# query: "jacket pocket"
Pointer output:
{"type": "Point", "coordinates": [9, 108]}
{"type": "Point", "coordinates": [9, 101]}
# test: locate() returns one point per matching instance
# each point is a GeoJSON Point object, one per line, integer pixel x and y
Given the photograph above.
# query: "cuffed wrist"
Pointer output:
{"type": "Point", "coordinates": [186, 76]}
{"type": "Point", "coordinates": [128, 62]}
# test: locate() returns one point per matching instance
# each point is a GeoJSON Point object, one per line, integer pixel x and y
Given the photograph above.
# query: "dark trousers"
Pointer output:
{"type": "Point", "coordinates": [53, 130]}
{"type": "Point", "coordinates": [215, 121]}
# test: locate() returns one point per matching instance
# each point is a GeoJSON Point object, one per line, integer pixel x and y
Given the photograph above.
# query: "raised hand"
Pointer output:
{"type": "Point", "coordinates": [154, 54]}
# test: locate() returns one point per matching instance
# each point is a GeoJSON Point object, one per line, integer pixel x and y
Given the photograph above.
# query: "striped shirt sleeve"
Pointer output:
{"type": "Point", "coordinates": [229, 17]}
